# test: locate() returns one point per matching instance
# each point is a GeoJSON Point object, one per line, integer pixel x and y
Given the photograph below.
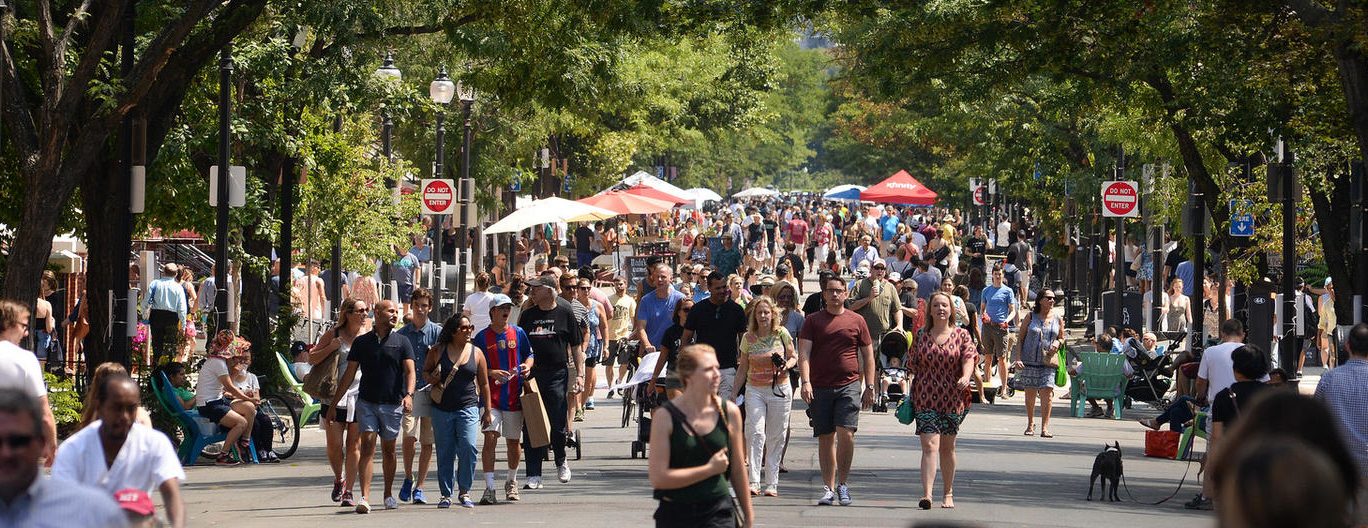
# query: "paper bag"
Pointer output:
{"type": "Point", "coordinates": [534, 415]}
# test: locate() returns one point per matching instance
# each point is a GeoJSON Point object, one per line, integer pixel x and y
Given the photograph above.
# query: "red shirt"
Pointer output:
{"type": "Point", "coordinates": [836, 341]}
{"type": "Point", "coordinates": [797, 231]}
{"type": "Point", "coordinates": [822, 235]}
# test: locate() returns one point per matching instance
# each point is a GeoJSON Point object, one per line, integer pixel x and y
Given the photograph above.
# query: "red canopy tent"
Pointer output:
{"type": "Point", "coordinates": [900, 188]}
{"type": "Point", "coordinates": [652, 192]}
{"type": "Point", "coordinates": [628, 203]}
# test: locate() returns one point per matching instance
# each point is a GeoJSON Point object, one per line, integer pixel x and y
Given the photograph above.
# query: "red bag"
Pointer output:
{"type": "Point", "coordinates": [1162, 444]}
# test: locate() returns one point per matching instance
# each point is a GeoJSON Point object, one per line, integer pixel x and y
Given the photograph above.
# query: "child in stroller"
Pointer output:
{"type": "Point", "coordinates": [893, 378]}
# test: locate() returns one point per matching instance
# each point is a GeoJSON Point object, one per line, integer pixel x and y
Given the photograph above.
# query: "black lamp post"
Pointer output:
{"type": "Point", "coordinates": [221, 231]}
{"type": "Point", "coordinates": [440, 91]}
{"type": "Point", "coordinates": [465, 188]}
{"type": "Point", "coordinates": [388, 70]}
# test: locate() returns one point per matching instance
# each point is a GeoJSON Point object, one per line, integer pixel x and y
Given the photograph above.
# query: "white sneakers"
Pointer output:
{"type": "Point", "coordinates": [563, 472]}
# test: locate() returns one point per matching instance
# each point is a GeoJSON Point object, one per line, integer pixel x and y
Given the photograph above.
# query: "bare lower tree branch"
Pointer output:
{"type": "Point", "coordinates": [159, 51]}
{"type": "Point", "coordinates": [76, 19]}
{"type": "Point", "coordinates": [102, 37]}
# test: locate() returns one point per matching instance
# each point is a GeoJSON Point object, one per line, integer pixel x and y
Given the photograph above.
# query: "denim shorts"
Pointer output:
{"type": "Point", "coordinates": [384, 418]}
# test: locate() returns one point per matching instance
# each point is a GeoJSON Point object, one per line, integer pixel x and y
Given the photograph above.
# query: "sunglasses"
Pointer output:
{"type": "Point", "coordinates": [466, 328]}
{"type": "Point", "coordinates": [1048, 298]}
{"type": "Point", "coordinates": [17, 441]}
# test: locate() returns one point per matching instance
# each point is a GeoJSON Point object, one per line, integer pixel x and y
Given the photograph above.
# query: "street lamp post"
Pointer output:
{"type": "Point", "coordinates": [465, 188]}
{"type": "Point", "coordinates": [441, 91]}
{"type": "Point", "coordinates": [387, 70]}
{"type": "Point", "coordinates": [224, 178]}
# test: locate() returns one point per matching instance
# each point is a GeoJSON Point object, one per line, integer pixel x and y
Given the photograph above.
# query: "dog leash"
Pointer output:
{"type": "Point", "coordinates": [1165, 499]}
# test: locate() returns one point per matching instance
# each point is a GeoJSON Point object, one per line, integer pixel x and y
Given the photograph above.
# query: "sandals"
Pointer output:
{"type": "Point", "coordinates": [1030, 430]}
{"type": "Point", "coordinates": [948, 502]}
{"type": "Point", "coordinates": [1045, 433]}
{"type": "Point", "coordinates": [925, 503]}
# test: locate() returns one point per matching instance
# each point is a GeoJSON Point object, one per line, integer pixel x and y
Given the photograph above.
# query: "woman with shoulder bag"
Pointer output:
{"type": "Point", "coordinates": [942, 360]}
{"type": "Point", "coordinates": [696, 448]}
{"type": "Point", "coordinates": [460, 407]}
{"type": "Point", "coordinates": [1037, 344]}
{"type": "Point", "coordinates": [767, 357]}
{"type": "Point", "coordinates": [328, 358]}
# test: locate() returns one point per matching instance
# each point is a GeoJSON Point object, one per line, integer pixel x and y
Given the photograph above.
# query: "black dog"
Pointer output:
{"type": "Point", "coordinates": [1108, 466]}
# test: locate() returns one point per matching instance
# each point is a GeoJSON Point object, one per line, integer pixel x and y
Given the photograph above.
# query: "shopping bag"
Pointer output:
{"type": "Point", "coordinates": [1162, 444]}
{"type": "Point", "coordinates": [534, 415]}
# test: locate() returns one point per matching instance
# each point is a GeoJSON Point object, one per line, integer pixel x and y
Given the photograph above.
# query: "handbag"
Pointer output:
{"type": "Point", "coordinates": [321, 381]}
{"type": "Point", "coordinates": [439, 388]}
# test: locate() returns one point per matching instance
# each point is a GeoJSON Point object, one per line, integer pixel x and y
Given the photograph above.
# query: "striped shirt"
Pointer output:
{"type": "Point", "coordinates": [505, 351]}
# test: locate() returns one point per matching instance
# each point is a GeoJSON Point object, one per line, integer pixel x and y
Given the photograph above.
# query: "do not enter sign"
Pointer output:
{"type": "Point", "coordinates": [979, 198]}
{"type": "Point", "coordinates": [1120, 199]}
{"type": "Point", "coordinates": [439, 196]}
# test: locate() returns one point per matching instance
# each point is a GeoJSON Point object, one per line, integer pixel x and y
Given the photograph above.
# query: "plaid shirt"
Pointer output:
{"type": "Point", "coordinates": [1344, 390]}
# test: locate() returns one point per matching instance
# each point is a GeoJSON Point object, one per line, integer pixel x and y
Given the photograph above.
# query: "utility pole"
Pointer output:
{"type": "Point", "coordinates": [1119, 258]}
{"type": "Point", "coordinates": [1283, 178]}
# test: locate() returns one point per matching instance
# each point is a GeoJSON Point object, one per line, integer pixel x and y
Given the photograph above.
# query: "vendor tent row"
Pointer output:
{"type": "Point", "coordinates": [642, 193]}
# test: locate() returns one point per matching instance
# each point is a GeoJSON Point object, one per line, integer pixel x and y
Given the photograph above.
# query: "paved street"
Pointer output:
{"type": "Point", "coordinates": [1005, 479]}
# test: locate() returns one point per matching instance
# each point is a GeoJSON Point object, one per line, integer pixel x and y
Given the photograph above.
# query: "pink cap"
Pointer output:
{"type": "Point", "coordinates": [136, 501]}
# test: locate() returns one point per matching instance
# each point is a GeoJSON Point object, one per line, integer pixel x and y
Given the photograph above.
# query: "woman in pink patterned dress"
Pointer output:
{"type": "Point", "coordinates": [942, 360]}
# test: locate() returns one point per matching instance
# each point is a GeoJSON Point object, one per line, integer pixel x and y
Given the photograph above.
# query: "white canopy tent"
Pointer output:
{"type": "Point", "coordinates": [756, 192]}
{"type": "Point", "coordinates": [645, 178]}
{"type": "Point", "coordinates": [547, 210]}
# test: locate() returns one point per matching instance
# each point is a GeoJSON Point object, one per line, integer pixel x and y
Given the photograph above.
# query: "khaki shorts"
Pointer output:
{"type": "Point", "coordinates": [996, 341]}
{"type": "Point", "coordinates": [507, 424]}
{"type": "Point", "coordinates": [570, 381]}
{"type": "Point", "coordinates": [412, 425]}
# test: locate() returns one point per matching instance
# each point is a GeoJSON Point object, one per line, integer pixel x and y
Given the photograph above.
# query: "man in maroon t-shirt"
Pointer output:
{"type": "Point", "coordinates": [835, 353]}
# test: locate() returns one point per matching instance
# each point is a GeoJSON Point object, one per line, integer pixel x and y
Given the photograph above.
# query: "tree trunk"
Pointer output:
{"type": "Point", "coordinates": [104, 194]}
{"type": "Point", "coordinates": [28, 253]}
{"type": "Point", "coordinates": [1353, 71]}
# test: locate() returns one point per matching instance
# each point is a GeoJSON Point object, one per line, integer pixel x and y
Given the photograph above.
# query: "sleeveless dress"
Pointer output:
{"type": "Point", "coordinates": [940, 405]}
{"type": "Point", "coordinates": [348, 401]}
{"type": "Point", "coordinates": [595, 348]}
{"type": "Point", "coordinates": [1037, 374]}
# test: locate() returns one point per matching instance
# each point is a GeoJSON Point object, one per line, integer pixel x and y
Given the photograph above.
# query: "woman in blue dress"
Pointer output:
{"type": "Point", "coordinates": [1038, 341]}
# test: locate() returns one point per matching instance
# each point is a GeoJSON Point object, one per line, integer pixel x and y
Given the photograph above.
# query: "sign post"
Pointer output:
{"type": "Point", "coordinates": [1120, 200]}
{"type": "Point", "coordinates": [1241, 219]}
{"type": "Point", "coordinates": [439, 196]}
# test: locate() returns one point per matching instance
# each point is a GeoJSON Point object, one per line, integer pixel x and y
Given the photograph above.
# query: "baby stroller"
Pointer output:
{"type": "Point", "coordinates": [1150, 383]}
{"type": "Point", "coordinates": [893, 347]}
{"type": "Point", "coordinates": [645, 401]}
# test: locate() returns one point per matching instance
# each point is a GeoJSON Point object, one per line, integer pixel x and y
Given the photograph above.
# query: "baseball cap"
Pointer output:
{"type": "Point", "coordinates": [136, 501]}
{"type": "Point", "coordinates": [766, 280]}
{"type": "Point", "coordinates": [546, 281]}
{"type": "Point", "coordinates": [500, 299]}
{"type": "Point", "coordinates": [880, 264]}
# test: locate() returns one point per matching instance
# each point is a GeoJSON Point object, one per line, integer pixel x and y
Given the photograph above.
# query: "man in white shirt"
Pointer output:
{"type": "Point", "coordinates": [116, 453]}
{"type": "Point", "coordinates": [19, 368]}
{"type": "Point", "coordinates": [1004, 230]}
{"type": "Point", "coordinates": [1217, 371]}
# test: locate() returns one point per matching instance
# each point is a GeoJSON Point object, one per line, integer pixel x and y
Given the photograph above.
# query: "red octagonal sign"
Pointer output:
{"type": "Point", "coordinates": [1120, 199]}
{"type": "Point", "coordinates": [439, 196]}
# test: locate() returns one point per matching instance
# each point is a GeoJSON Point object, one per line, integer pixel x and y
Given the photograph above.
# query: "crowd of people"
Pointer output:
{"type": "Point", "coordinates": [908, 302]}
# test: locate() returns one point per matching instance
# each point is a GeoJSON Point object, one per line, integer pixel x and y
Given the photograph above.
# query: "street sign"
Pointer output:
{"type": "Point", "coordinates": [980, 195]}
{"type": "Point", "coordinates": [439, 196]}
{"type": "Point", "coordinates": [515, 187]}
{"type": "Point", "coordinates": [1241, 220]}
{"type": "Point", "coordinates": [237, 186]}
{"type": "Point", "coordinates": [992, 186]}
{"type": "Point", "coordinates": [1120, 199]}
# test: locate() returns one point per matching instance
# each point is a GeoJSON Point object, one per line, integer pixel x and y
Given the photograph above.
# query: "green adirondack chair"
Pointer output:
{"type": "Point", "coordinates": [311, 406]}
{"type": "Point", "coordinates": [1102, 377]}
